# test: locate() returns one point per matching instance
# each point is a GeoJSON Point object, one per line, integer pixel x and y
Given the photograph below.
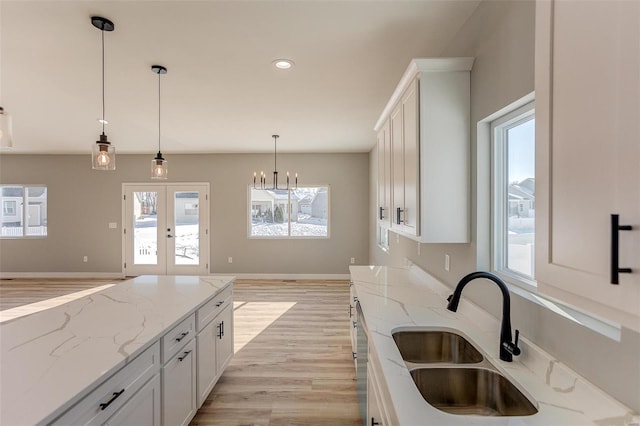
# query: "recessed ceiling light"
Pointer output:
{"type": "Point", "coordinates": [283, 64]}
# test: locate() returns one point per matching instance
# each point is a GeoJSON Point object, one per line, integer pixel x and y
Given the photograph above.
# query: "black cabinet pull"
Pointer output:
{"type": "Point", "coordinates": [113, 398]}
{"type": "Point", "coordinates": [220, 331]}
{"type": "Point", "coordinates": [184, 355]}
{"type": "Point", "coordinates": [350, 310]}
{"type": "Point", "coordinates": [182, 336]}
{"type": "Point", "coordinates": [398, 212]}
{"type": "Point", "coordinates": [222, 324]}
{"type": "Point", "coordinates": [373, 422]}
{"type": "Point", "coordinates": [381, 215]}
{"type": "Point", "coordinates": [615, 247]}
{"type": "Point", "coordinates": [355, 355]}
{"type": "Point", "coordinates": [218, 304]}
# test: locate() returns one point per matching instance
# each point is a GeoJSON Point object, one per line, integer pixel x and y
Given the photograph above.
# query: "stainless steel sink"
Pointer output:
{"type": "Point", "coordinates": [471, 391]}
{"type": "Point", "coordinates": [435, 347]}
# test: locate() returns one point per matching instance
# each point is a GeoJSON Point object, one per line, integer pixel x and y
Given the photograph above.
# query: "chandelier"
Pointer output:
{"type": "Point", "coordinates": [262, 184]}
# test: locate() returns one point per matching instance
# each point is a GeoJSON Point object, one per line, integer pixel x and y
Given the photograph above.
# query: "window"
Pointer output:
{"type": "Point", "coordinates": [24, 211]}
{"type": "Point", "coordinates": [294, 213]}
{"type": "Point", "coordinates": [513, 197]}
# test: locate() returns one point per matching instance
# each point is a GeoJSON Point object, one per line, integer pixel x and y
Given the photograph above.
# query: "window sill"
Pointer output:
{"type": "Point", "coordinates": [578, 316]}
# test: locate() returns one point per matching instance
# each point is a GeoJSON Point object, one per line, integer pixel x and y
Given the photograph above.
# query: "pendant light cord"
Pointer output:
{"type": "Point", "coordinates": [102, 31]}
{"type": "Point", "coordinates": [275, 153]}
{"type": "Point", "coordinates": [159, 111]}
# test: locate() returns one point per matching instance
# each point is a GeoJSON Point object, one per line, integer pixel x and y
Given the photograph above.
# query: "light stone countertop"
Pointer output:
{"type": "Point", "coordinates": [51, 359]}
{"type": "Point", "coordinates": [399, 298]}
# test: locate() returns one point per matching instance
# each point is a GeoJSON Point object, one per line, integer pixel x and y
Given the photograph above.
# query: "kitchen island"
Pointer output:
{"type": "Point", "coordinates": [53, 360]}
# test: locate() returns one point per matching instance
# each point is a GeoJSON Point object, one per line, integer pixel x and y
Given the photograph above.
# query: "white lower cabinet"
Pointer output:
{"type": "Point", "coordinates": [141, 409]}
{"type": "Point", "coordinates": [179, 387]}
{"type": "Point", "coordinates": [105, 400]}
{"type": "Point", "coordinates": [214, 343]}
{"type": "Point", "coordinates": [224, 344]}
{"type": "Point", "coordinates": [207, 363]}
{"type": "Point", "coordinates": [375, 407]}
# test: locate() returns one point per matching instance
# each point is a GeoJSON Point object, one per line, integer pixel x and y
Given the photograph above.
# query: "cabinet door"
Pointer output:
{"type": "Point", "coordinates": [588, 153]}
{"type": "Point", "coordinates": [224, 343]}
{"type": "Point", "coordinates": [411, 159]}
{"type": "Point", "coordinates": [179, 387]}
{"type": "Point", "coordinates": [142, 409]}
{"type": "Point", "coordinates": [397, 167]}
{"type": "Point", "coordinates": [374, 403]}
{"type": "Point", "coordinates": [384, 176]}
{"type": "Point", "coordinates": [353, 317]}
{"type": "Point", "coordinates": [207, 365]}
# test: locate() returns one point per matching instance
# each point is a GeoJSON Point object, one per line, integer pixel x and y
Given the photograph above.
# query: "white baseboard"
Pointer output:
{"type": "Point", "coordinates": [106, 275]}
{"type": "Point", "coordinates": [118, 275]}
{"type": "Point", "coordinates": [288, 276]}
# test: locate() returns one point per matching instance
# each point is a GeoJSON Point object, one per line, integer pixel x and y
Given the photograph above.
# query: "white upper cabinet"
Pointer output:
{"type": "Point", "coordinates": [384, 175]}
{"type": "Point", "coordinates": [588, 154]}
{"type": "Point", "coordinates": [428, 120]}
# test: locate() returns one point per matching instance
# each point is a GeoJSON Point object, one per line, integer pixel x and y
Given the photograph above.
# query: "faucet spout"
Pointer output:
{"type": "Point", "coordinates": [507, 348]}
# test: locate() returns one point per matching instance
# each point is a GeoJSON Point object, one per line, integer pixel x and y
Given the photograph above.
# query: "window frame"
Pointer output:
{"type": "Point", "coordinates": [24, 216]}
{"type": "Point", "coordinates": [288, 236]}
{"type": "Point", "coordinates": [499, 195]}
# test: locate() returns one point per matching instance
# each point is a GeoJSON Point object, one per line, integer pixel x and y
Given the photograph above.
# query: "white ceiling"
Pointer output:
{"type": "Point", "coordinates": [221, 92]}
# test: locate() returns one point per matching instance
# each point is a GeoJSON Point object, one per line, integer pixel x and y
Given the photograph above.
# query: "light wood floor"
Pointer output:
{"type": "Point", "coordinates": [292, 365]}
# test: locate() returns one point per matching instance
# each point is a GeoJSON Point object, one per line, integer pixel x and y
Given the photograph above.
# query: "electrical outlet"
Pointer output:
{"type": "Point", "coordinates": [447, 262]}
{"type": "Point", "coordinates": [353, 260]}
{"type": "Point", "coordinates": [85, 259]}
{"type": "Point", "coordinates": [113, 225]}
{"type": "Point", "coordinates": [230, 260]}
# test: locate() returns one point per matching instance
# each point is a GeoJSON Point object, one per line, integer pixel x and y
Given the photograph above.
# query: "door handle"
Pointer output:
{"type": "Point", "coordinates": [169, 236]}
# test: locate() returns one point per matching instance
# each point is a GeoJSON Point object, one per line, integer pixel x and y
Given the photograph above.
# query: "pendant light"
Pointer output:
{"type": "Point", "coordinates": [5, 129]}
{"type": "Point", "coordinates": [263, 177]}
{"type": "Point", "coordinates": [159, 166]}
{"type": "Point", "coordinates": [103, 154]}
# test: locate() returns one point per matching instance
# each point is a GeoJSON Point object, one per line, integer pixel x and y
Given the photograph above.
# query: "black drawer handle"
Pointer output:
{"type": "Point", "coordinates": [220, 331]}
{"type": "Point", "coordinates": [184, 355]}
{"type": "Point", "coordinates": [218, 304]}
{"type": "Point", "coordinates": [182, 336]}
{"type": "Point", "coordinates": [113, 398]}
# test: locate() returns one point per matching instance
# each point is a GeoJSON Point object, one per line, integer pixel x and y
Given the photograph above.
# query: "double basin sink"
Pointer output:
{"type": "Point", "coordinates": [453, 376]}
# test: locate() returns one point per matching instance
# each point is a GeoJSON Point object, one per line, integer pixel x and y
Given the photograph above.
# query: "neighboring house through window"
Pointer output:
{"type": "Point", "coordinates": [301, 212]}
{"type": "Point", "coordinates": [513, 204]}
{"type": "Point", "coordinates": [24, 211]}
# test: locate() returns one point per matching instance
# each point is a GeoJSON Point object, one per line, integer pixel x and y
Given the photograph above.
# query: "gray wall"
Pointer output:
{"type": "Point", "coordinates": [82, 202]}
{"type": "Point", "coordinates": [500, 35]}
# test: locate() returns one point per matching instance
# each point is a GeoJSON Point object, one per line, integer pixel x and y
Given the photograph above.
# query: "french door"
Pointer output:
{"type": "Point", "coordinates": [166, 229]}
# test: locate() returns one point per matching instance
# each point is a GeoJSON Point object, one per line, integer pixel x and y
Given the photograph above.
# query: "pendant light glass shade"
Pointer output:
{"type": "Point", "coordinates": [103, 154]}
{"type": "Point", "coordinates": [6, 140]}
{"type": "Point", "coordinates": [159, 166]}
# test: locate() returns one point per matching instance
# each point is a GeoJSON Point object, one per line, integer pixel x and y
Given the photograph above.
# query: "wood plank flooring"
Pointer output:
{"type": "Point", "coordinates": [292, 365]}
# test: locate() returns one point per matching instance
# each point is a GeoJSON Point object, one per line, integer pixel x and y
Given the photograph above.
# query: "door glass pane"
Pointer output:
{"type": "Point", "coordinates": [521, 198]}
{"type": "Point", "coordinates": [145, 228]}
{"type": "Point", "coordinates": [187, 228]}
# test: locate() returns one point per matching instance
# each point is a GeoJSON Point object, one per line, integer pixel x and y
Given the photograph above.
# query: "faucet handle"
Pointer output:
{"type": "Point", "coordinates": [513, 348]}
{"type": "Point", "coordinates": [449, 298]}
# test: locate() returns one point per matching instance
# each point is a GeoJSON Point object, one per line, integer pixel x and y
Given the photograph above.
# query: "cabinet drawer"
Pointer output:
{"type": "Point", "coordinates": [107, 398]}
{"type": "Point", "coordinates": [210, 309]}
{"type": "Point", "coordinates": [177, 337]}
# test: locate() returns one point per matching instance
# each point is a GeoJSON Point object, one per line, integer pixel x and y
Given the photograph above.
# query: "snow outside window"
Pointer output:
{"type": "Point", "coordinates": [514, 201]}
{"type": "Point", "coordinates": [295, 213]}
